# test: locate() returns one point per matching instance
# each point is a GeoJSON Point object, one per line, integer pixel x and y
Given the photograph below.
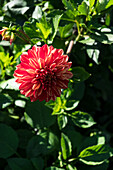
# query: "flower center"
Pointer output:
{"type": "Point", "coordinates": [46, 76]}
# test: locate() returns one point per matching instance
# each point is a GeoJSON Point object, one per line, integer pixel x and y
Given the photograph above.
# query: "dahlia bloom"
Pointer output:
{"type": "Point", "coordinates": [43, 72]}
{"type": "Point", "coordinates": [7, 35]}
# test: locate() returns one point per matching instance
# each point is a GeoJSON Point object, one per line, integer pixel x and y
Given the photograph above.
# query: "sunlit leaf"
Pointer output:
{"type": "Point", "coordinates": [94, 54]}
{"type": "Point", "coordinates": [9, 84]}
{"type": "Point", "coordinates": [82, 119]}
{"type": "Point", "coordinates": [62, 121]}
{"type": "Point", "coordinates": [65, 146]}
{"type": "Point", "coordinates": [95, 155]}
{"type": "Point", "coordinates": [83, 8]}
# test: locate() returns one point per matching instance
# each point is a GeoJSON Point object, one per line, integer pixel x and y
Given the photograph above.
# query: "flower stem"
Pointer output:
{"type": "Point", "coordinates": [70, 46]}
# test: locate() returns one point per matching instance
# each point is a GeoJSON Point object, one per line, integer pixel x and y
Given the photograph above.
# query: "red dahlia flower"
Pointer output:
{"type": "Point", "coordinates": [43, 72]}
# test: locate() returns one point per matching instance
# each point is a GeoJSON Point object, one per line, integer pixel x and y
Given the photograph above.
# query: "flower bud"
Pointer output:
{"type": "Point", "coordinates": [7, 35]}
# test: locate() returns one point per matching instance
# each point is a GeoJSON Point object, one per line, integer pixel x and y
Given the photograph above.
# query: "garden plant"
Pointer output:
{"type": "Point", "coordinates": [56, 85]}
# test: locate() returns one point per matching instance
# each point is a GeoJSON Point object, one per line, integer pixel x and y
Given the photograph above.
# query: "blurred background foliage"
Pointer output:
{"type": "Point", "coordinates": [76, 131]}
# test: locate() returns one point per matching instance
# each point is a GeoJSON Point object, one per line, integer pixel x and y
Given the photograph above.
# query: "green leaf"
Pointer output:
{"type": "Point", "coordinates": [42, 144]}
{"type": "Point", "coordinates": [57, 106]}
{"type": "Point", "coordinates": [101, 5]}
{"type": "Point", "coordinates": [20, 103]}
{"type": "Point", "coordinates": [38, 163]}
{"type": "Point", "coordinates": [53, 141]}
{"type": "Point", "coordinates": [91, 3]}
{"type": "Point", "coordinates": [45, 27]}
{"type": "Point", "coordinates": [5, 101]}
{"type": "Point", "coordinates": [75, 137]}
{"type": "Point", "coordinates": [56, 17]}
{"type": "Point", "coordinates": [69, 16]}
{"type": "Point", "coordinates": [83, 9]}
{"type": "Point", "coordinates": [20, 164]}
{"type": "Point", "coordinates": [37, 13]}
{"type": "Point", "coordinates": [88, 41]}
{"type": "Point", "coordinates": [95, 155]}
{"type": "Point", "coordinates": [24, 136]}
{"type": "Point", "coordinates": [8, 141]}
{"type": "Point", "coordinates": [110, 3]}
{"type": "Point", "coordinates": [65, 146]}
{"type": "Point", "coordinates": [9, 84]}
{"type": "Point", "coordinates": [70, 167]}
{"type": "Point", "coordinates": [40, 116]}
{"type": "Point", "coordinates": [94, 54]}
{"type": "Point", "coordinates": [66, 30]}
{"type": "Point", "coordinates": [31, 29]}
{"type": "Point", "coordinates": [80, 74]}
{"type": "Point", "coordinates": [68, 4]}
{"type": "Point", "coordinates": [71, 104]}
{"type": "Point", "coordinates": [107, 20]}
{"type": "Point", "coordinates": [62, 121]}
{"type": "Point", "coordinates": [82, 119]}
{"type": "Point", "coordinates": [105, 36]}
{"type": "Point", "coordinates": [36, 146]}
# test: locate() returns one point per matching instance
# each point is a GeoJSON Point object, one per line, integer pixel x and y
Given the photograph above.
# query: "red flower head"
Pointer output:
{"type": "Point", "coordinates": [43, 72]}
{"type": "Point", "coordinates": [7, 35]}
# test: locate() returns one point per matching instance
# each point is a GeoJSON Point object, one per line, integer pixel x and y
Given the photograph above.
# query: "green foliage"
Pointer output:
{"type": "Point", "coordinates": [95, 155]}
{"type": "Point", "coordinates": [65, 146]}
{"type": "Point", "coordinates": [74, 132]}
{"type": "Point", "coordinates": [40, 116]}
{"type": "Point", "coordinates": [8, 141]}
{"type": "Point", "coordinates": [83, 120]}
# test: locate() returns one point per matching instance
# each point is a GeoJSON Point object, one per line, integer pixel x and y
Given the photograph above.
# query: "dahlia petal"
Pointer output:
{"type": "Point", "coordinates": [26, 78]}
{"type": "Point", "coordinates": [60, 51]}
{"type": "Point", "coordinates": [56, 91]}
{"type": "Point", "coordinates": [34, 80]}
{"type": "Point", "coordinates": [68, 75]}
{"type": "Point", "coordinates": [55, 54]}
{"type": "Point", "coordinates": [47, 98]}
{"type": "Point", "coordinates": [43, 51]}
{"type": "Point", "coordinates": [59, 61]}
{"type": "Point", "coordinates": [20, 72]}
{"type": "Point", "coordinates": [36, 86]}
{"type": "Point", "coordinates": [62, 84]}
{"type": "Point", "coordinates": [69, 64]}
{"type": "Point", "coordinates": [49, 60]}
{"type": "Point", "coordinates": [24, 57]}
{"type": "Point", "coordinates": [65, 58]}
{"type": "Point", "coordinates": [50, 49]}
{"type": "Point", "coordinates": [19, 80]}
{"type": "Point", "coordinates": [52, 66]}
{"type": "Point", "coordinates": [31, 54]}
{"type": "Point", "coordinates": [25, 66]}
{"type": "Point", "coordinates": [22, 92]}
{"type": "Point", "coordinates": [30, 71]}
{"type": "Point", "coordinates": [53, 97]}
{"type": "Point", "coordinates": [25, 86]}
{"type": "Point", "coordinates": [33, 63]}
{"type": "Point", "coordinates": [35, 49]}
{"type": "Point", "coordinates": [49, 91]}
{"type": "Point", "coordinates": [37, 92]}
{"type": "Point", "coordinates": [33, 99]}
{"type": "Point", "coordinates": [29, 93]}
{"type": "Point", "coordinates": [41, 62]}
